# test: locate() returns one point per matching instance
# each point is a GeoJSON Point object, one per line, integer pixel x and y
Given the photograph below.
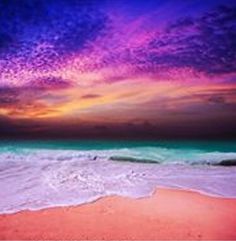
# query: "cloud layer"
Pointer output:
{"type": "Point", "coordinates": [102, 63]}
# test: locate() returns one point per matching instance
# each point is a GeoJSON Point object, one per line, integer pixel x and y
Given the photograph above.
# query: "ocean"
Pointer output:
{"type": "Point", "coordinates": [42, 174]}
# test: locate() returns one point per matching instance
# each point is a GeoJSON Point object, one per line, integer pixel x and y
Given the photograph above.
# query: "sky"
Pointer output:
{"type": "Point", "coordinates": [153, 67]}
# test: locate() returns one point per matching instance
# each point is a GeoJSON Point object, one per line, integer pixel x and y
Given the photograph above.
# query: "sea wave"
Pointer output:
{"type": "Point", "coordinates": [160, 155]}
{"type": "Point", "coordinates": [35, 179]}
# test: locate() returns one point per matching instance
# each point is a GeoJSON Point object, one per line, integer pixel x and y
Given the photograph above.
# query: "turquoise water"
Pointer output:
{"type": "Point", "coordinates": [222, 146]}
{"type": "Point", "coordinates": [40, 174]}
{"type": "Point", "coordinates": [159, 151]}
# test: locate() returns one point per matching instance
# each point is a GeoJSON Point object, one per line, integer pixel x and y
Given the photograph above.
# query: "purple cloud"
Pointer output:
{"type": "Point", "coordinates": [90, 96]}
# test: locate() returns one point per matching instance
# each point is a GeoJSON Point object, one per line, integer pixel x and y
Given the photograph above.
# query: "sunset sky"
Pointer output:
{"type": "Point", "coordinates": [132, 65]}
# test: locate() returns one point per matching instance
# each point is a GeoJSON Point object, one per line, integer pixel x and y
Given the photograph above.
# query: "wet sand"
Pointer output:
{"type": "Point", "coordinates": [168, 214]}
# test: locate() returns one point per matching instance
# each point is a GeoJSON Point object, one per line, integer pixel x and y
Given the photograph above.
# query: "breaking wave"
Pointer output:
{"type": "Point", "coordinates": [33, 178]}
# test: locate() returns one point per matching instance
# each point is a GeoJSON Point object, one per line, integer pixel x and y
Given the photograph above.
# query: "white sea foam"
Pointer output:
{"type": "Point", "coordinates": [35, 179]}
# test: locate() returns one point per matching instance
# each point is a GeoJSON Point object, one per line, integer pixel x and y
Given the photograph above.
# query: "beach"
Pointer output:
{"type": "Point", "coordinates": [167, 214]}
{"type": "Point", "coordinates": [35, 177]}
{"type": "Point", "coordinates": [117, 191]}
{"type": "Point", "coordinates": [117, 120]}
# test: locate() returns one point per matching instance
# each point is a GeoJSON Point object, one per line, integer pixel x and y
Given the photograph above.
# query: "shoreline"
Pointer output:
{"type": "Point", "coordinates": [154, 192]}
{"type": "Point", "coordinates": [166, 214]}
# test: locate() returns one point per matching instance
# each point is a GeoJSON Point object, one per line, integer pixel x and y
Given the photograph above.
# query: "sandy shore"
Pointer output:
{"type": "Point", "coordinates": [168, 214]}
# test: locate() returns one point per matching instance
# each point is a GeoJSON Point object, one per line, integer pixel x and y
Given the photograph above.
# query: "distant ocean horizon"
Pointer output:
{"type": "Point", "coordinates": [36, 174]}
